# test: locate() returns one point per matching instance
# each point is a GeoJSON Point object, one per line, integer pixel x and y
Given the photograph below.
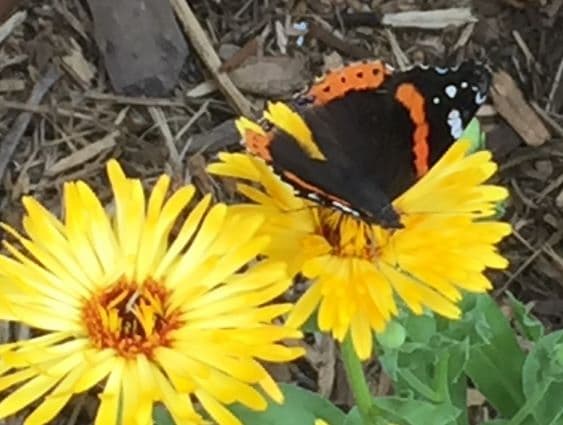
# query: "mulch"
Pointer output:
{"type": "Point", "coordinates": [60, 119]}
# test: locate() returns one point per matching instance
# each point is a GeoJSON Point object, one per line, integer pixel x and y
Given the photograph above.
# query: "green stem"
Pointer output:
{"type": "Point", "coordinates": [358, 384]}
{"type": "Point", "coordinates": [441, 382]}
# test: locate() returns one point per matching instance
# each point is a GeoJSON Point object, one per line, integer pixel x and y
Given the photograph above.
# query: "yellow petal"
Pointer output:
{"type": "Point", "coordinates": [361, 336]}
{"type": "Point", "coordinates": [216, 410]}
{"type": "Point", "coordinates": [305, 306]}
{"type": "Point", "coordinates": [109, 399]}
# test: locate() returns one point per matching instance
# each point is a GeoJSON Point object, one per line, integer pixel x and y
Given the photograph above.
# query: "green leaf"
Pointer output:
{"type": "Point", "coordinates": [496, 422]}
{"type": "Point", "coordinates": [543, 380]}
{"type": "Point", "coordinates": [311, 325]}
{"type": "Point", "coordinates": [495, 359]}
{"type": "Point", "coordinates": [474, 134]}
{"type": "Point", "coordinates": [420, 328]}
{"type": "Point", "coordinates": [403, 411]}
{"type": "Point", "coordinates": [353, 418]}
{"type": "Point", "coordinates": [300, 407]}
{"type": "Point", "coordinates": [161, 416]}
{"type": "Point", "coordinates": [430, 364]}
{"type": "Point", "coordinates": [528, 325]}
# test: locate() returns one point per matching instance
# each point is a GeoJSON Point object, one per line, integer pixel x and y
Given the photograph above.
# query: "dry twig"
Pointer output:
{"type": "Point", "coordinates": [203, 46]}
{"type": "Point", "coordinates": [12, 138]}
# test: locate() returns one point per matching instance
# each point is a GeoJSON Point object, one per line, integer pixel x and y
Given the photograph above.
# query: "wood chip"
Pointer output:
{"type": "Point", "coordinates": [513, 107]}
{"type": "Point", "coordinates": [203, 89]}
{"type": "Point", "coordinates": [241, 55]}
{"type": "Point", "coordinates": [11, 85]}
{"type": "Point", "coordinates": [270, 76]}
{"type": "Point", "coordinates": [7, 27]}
{"type": "Point", "coordinates": [83, 155]}
{"type": "Point", "coordinates": [143, 47]}
{"type": "Point", "coordinates": [76, 65]}
{"type": "Point", "coordinates": [464, 37]}
{"type": "Point", "coordinates": [220, 137]}
{"type": "Point", "coordinates": [319, 32]}
{"type": "Point", "coordinates": [430, 19]}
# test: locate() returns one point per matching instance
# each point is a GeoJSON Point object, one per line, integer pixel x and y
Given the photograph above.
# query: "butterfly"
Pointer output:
{"type": "Point", "coordinates": [365, 133]}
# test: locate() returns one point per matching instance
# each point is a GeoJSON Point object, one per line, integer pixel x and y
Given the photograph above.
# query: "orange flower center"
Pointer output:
{"type": "Point", "coordinates": [349, 236]}
{"type": "Point", "coordinates": [131, 318]}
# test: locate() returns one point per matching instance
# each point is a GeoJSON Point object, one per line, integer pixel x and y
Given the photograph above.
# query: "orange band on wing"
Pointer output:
{"type": "Point", "coordinates": [258, 144]}
{"type": "Point", "coordinates": [358, 76]}
{"type": "Point", "coordinates": [311, 188]}
{"type": "Point", "coordinates": [411, 99]}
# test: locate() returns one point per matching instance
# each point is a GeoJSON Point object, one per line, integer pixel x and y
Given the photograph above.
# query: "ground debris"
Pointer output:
{"type": "Point", "coordinates": [271, 76]}
{"type": "Point", "coordinates": [512, 106]}
{"type": "Point", "coordinates": [81, 122]}
{"type": "Point", "coordinates": [141, 43]}
{"type": "Point", "coordinates": [430, 19]}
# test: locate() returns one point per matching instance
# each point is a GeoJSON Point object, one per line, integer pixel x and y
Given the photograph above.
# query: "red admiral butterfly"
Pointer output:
{"type": "Point", "coordinates": [365, 133]}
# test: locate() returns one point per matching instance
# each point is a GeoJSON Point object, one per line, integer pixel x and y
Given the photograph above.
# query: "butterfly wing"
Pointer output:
{"type": "Point", "coordinates": [364, 134]}
{"type": "Point", "coordinates": [444, 99]}
{"type": "Point", "coordinates": [394, 132]}
{"type": "Point", "coordinates": [323, 173]}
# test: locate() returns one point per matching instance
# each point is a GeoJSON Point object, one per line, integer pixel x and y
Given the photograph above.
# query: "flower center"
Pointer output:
{"type": "Point", "coordinates": [349, 236]}
{"type": "Point", "coordinates": [131, 318]}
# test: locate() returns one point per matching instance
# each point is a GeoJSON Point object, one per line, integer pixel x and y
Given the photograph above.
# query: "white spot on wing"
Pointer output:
{"type": "Point", "coordinates": [441, 71]}
{"type": "Point", "coordinates": [345, 208]}
{"type": "Point", "coordinates": [464, 84]}
{"type": "Point", "coordinates": [451, 91]}
{"type": "Point", "coordinates": [436, 100]}
{"type": "Point", "coordinates": [480, 98]}
{"type": "Point", "coordinates": [455, 123]}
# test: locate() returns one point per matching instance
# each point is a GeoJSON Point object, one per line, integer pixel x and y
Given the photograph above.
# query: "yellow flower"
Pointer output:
{"type": "Point", "coordinates": [357, 269]}
{"type": "Point", "coordinates": [156, 307]}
